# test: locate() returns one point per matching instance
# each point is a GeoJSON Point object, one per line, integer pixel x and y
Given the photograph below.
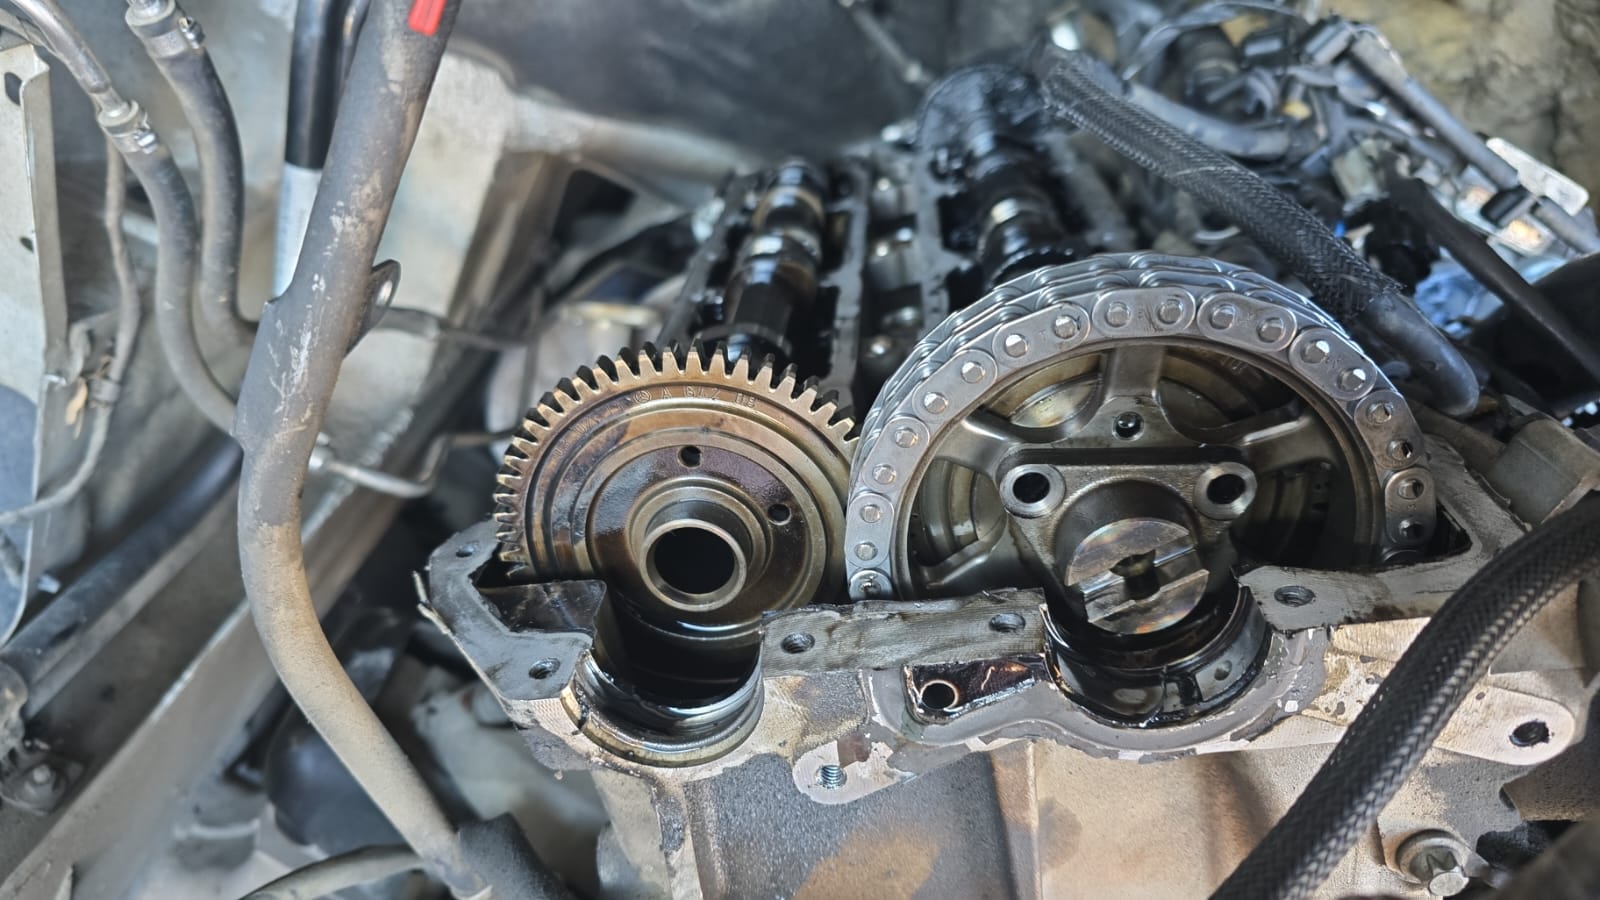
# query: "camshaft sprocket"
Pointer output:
{"type": "Point", "coordinates": [705, 492]}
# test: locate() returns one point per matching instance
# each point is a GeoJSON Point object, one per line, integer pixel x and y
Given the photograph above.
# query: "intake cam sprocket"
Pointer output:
{"type": "Point", "coordinates": [704, 492]}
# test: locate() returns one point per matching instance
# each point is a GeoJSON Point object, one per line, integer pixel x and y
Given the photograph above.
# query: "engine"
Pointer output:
{"type": "Point", "coordinates": [704, 449]}
{"type": "Point", "coordinates": [1081, 419]}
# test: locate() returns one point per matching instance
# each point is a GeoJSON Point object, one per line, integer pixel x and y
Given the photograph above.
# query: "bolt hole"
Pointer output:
{"type": "Point", "coordinates": [1411, 529]}
{"type": "Point", "coordinates": [26, 242]}
{"type": "Point", "coordinates": [1530, 733]}
{"type": "Point", "coordinates": [466, 550]}
{"type": "Point", "coordinates": [544, 668]}
{"type": "Point", "coordinates": [778, 513]}
{"type": "Point", "coordinates": [940, 696]}
{"type": "Point", "coordinates": [1128, 425]}
{"type": "Point", "coordinates": [692, 560]}
{"type": "Point", "coordinates": [1226, 488]}
{"type": "Point", "coordinates": [689, 456]}
{"type": "Point", "coordinates": [1409, 488]}
{"type": "Point", "coordinates": [1402, 450]}
{"type": "Point", "coordinates": [1294, 595]}
{"type": "Point", "coordinates": [1008, 623]}
{"type": "Point", "coordinates": [799, 642]}
{"type": "Point", "coordinates": [1030, 487]}
{"type": "Point", "coordinates": [831, 777]}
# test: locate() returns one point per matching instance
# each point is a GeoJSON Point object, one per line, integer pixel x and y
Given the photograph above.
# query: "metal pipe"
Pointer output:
{"type": "Point", "coordinates": [408, 488]}
{"type": "Point", "coordinates": [301, 345]}
{"type": "Point", "coordinates": [174, 42]}
{"type": "Point", "coordinates": [67, 45]}
{"type": "Point", "coordinates": [336, 873]}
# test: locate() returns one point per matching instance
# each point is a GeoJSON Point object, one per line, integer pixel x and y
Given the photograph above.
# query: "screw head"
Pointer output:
{"type": "Point", "coordinates": [1437, 860]}
{"type": "Point", "coordinates": [1440, 871]}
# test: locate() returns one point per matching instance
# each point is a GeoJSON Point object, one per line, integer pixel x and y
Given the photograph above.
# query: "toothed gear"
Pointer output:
{"type": "Point", "coordinates": [705, 493]}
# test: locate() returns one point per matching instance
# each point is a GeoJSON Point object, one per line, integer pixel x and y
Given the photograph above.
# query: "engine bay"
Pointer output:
{"type": "Point", "coordinates": [1091, 450]}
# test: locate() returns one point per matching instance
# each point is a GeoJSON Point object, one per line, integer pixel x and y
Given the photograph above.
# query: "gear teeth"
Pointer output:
{"type": "Point", "coordinates": [630, 369]}
{"type": "Point", "coordinates": [694, 363]}
{"type": "Point", "coordinates": [567, 392]}
{"type": "Point", "coordinates": [768, 374]}
{"type": "Point", "coordinates": [587, 383]}
{"type": "Point", "coordinates": [788, 383]}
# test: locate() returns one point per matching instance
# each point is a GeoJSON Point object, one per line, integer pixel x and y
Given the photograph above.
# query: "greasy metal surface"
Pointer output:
{"type": "Point", "coordinates": [841, 711]}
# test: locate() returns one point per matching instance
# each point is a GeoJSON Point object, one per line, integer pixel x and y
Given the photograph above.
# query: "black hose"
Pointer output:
{"type": "Point", "coordinates": [314, 77]}
{"type": "Point", "coordinates": [1258, 142]}
{"type": "Point", "coordinates": [1568, 870]}
{"type": "Point", "coordinates": [300, 347]}
{"type": "Point", "coordinates": [1074, 88]}
{"type": "Point", "coordinates": [173, 41]}
{"type": "Point", "coordinates": [1481, 262]}
{"type": "Point", "coordinates": [178, 240]}
{"type": "Point", "coordinates": [1388, 739]}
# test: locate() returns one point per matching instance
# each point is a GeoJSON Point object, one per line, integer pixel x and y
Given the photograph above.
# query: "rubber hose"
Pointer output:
{"type": "Point", "coordinates": [177, 245]}
{"type": "Point", "coordinates": [1387, 741]}
{"type": "Point", "coordinates": [1074, 88]}
{"type": "Point", "coordinates": [189, 71]}
{"type": "Point", "coordinates": [1481, 262]}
